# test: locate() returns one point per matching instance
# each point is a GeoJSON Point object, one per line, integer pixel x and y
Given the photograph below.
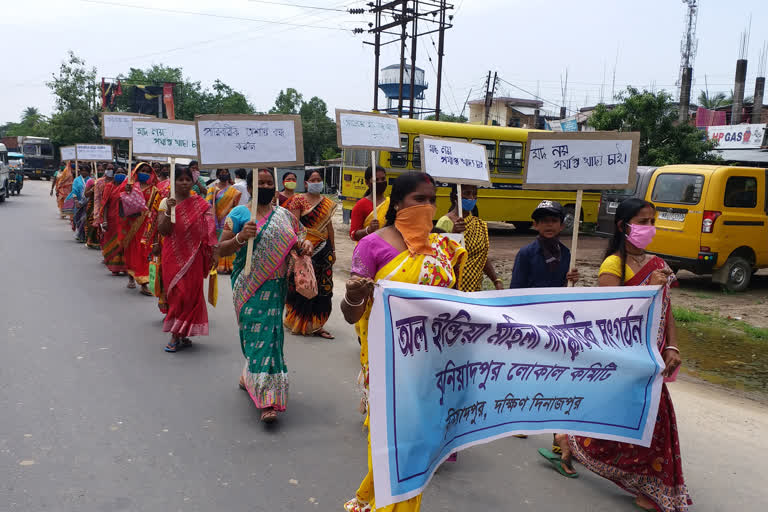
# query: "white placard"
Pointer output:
{"type": "Point", "coordinates": [117, 125]}
{"type": "Point", "coordinates": [572, 161]}
{"type": "Point", "coordinates": [94, 152]}
{"type": "Point", "coordinates": [455, 161]}
{"type": "Point", "coordinates": [249, 141]}
{"type": "Point", "coordinates": [68, 153]}
{"type": "Point", "coordinates": [738, 136]}
{"type": "Point", "coordinates": [167, 137]}
{"type": "Point", "coordinates": [362, 130]}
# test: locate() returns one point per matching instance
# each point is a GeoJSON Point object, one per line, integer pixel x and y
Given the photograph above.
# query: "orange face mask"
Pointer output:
{"type": "Point", "coordinates": [415, 224]}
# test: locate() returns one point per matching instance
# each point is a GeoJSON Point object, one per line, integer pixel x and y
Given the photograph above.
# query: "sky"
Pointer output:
{"type": "Point", "coordinates": [529, 44]}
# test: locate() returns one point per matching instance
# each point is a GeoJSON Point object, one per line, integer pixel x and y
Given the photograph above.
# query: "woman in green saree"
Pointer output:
{"type": "Point", "coordinates": [259, 296]}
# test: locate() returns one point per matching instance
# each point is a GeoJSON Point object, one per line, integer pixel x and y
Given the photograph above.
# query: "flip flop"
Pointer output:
{"type": "Point", "coordinates": [146, 293]}
{"type": "Point", "coordinates": [172, 346]}
{"type": "Point", "coordinates": [241, 384]}
{"type": "Point", "coordinates": [269, 416]}
{"type": "Point", "coordinates": [322, 333]}
{"type": "Point", "coordinates": [185, 342]}
{"type": "Point", "coordinates": [131, 285]}
{"type": "Point", "coordinates": [558, 463]}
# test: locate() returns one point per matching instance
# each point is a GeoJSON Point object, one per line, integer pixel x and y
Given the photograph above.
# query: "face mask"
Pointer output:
{"type": "Point", "coordinates": [468, 204]}
{"type": "Point", "coordinates": [109, 173]}
{"type": "Point", "coordinates": [381, 186]}
{"type": "Point", "coordinates": [315, 188]}
{"type": "Point", "coordinates": [415, 224]}
{"type": "Point", "coordinates": [224, 177]}
{"type": "Point", "coordinates": [119, 178]}
{"type": "Point", "coordinates": [290, 185]}
{"type": "Point", "coordinates": [641, 235]}
{"type": "Point", "coordinates": [143, 177]}
{"type": "Point", "coordinates": [265, 195]}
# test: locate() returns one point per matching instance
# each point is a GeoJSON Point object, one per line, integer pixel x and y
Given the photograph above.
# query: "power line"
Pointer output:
{"type": "Point", "coordinates": [298, 5]}
{"type": "Point", "coordinates": [534, 95]}
{"type": "Point", "coordinates": [176, 11]}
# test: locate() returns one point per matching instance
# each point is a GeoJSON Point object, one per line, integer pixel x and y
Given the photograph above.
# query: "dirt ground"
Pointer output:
{"type": "Point", "coordinates": [695, 292]}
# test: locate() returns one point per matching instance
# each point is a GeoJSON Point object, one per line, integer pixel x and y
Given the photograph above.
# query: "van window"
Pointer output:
{"type": "Point", "coordinates": [678, 188]}
{"type": "Point", "coordinates": [400, 158]}
{"type": "Point", "coordinates": [510, 157]}
{"type": "Point", "coordinates": [741, 192]}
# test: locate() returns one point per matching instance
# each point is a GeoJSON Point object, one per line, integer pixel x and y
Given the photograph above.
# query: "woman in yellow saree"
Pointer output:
{"type": "Point", "coordinates": [223, 197]}
{"type": "Point", "coordinates": [405, 251]}
{"type": "Point", "coordinates": [362, 218]}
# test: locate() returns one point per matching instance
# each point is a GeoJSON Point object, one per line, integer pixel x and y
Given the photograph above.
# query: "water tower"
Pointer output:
{"type": "Point", "coordinates": [389, 83]}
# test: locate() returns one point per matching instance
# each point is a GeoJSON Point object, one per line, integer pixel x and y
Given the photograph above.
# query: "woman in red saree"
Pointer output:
{"type": "Point", "coordinates": [654, 475]}
{"type": "Point", "coordinates": [135, 248]}
{"type": "Point", "coordinates": [190, 252]}
{"type": "Point", "coordinates": [153, 238]}
{"type": "Point", "coordinates": [111, 247]}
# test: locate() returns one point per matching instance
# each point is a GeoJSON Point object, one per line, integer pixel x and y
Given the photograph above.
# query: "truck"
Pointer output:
{"type": "Point", "coordinates": [5, 189]}
{"type": "Point", "coordinates": [39, 156]}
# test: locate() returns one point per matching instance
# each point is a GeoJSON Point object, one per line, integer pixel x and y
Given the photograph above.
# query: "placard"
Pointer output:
{"type": "Point", "coordinates": [450, 370]}
{"type": "Point", "coordinates": [68, 153]}
{"type": "Point", "coordinates": [164, 137]}
{"type": "Point", "coordinates": [455, 161]}
{"type": "Point", "coordinates": [117, 125]}
{"type": "Point", "coordinates": [738, 136]}
{"type": "Point", "coordinates": [582, 160]}
{"type": "Point", "coordinates": [366, 130]}
{"type": "Point", "coordinates": [94, 152]}
{"type": "Point", "coordinates": [249, 141]}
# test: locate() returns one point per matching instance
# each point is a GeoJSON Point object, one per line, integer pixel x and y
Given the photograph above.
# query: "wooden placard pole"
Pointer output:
{"type": "Point", "coordinates": [173, 188]}
{"type": "Point", "coordinates": [458, 200]}
{"type": "Point", "coordinates": [130, 161]}
{"type": "Point", "coordinates": [77, 167]}
{"type": "Point", "coordinates": [277, 191]}
{"type": "Point", "coordinates": [95, 171]}
{"type": "Point", "coordinates": [575, 235]}
{"type": "Point", "coordinates": [254, 203]}
{"type": "Point", "coordinates": [373, 182]}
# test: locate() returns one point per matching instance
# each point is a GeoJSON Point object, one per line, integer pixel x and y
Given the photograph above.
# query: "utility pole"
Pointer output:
{"type": "Point", "coordinates": [440, 52]}
{"type": "Point", "coordinates": [414, 40]}
{"type": "Point", "coordinates": [489, 92]}
{"type": "Point", "coordinates": [376, 54]}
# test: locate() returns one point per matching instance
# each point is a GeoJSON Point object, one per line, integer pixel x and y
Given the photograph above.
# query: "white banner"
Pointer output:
{"type": "Point", "coordinates": [166, 137]}
{"type": "Point", "coordinates": [117, 125]}
{"type": "Point", "coordinates": [737, 136]}
{"type": "Point", "coordinates": [68, 153]}
{"type": "Point", "coordinates": [363, 130]}
{"type": "Point", "coordinates": [455, 161]}
{"type": "Point", "coordinates": [94, 152]}
{"type": "Point", "coordinates": [449, 370]}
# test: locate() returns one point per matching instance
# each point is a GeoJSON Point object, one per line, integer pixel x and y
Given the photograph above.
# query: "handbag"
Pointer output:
{"type": "Point", "coordinates": [304, 276]}
{"type": "Point", "coordinates": [213, 288]}
{"type": "Point", "coordinates": [155, 278]}
{"type": "Point", "coordinates": [132, 203]}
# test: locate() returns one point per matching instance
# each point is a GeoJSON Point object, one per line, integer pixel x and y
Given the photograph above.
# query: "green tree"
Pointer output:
{"type": "Point", "coordinates": [662, 140]}
{"type": "Point", "coordinates": [318, 129]}
{"type": "Point", "coordinates": [713, 101]}
{"type": "Point", "coordinates": [289, 101]}
{"type": "Point", "coordinates": [32, 123]}
{"type": "Point", "coordinates": [76, 96]}
{"type": "Point", "coordinates": [449, 118]}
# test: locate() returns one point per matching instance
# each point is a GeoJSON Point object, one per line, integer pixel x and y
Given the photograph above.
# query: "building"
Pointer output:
{"type": "Point", "coordinates": [504, 111]}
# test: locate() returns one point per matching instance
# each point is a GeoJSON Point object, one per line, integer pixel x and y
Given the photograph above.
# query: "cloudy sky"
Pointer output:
{"type": "Point", "coordinates": [249, 45]}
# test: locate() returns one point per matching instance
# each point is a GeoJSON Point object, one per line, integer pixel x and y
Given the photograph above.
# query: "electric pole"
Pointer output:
{"type": "Point", "coordinates": [489, 92]}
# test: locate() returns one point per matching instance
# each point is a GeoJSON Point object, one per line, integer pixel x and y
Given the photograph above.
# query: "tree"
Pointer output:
{"type": "Point", "coordinates": [318, 129]}
{"type": "Point", "coordinates": [662, 140]}
{"type": "Point", "coordinates": [449, 118]}
{"type": "Point", "coordinates": [288, 102]}
{"type": "Point", "coordinates": [32, 123]}
{"type": "Point", "coordinates": [712, 102]}
{"type": "Point", "coordinates": [76, 96]}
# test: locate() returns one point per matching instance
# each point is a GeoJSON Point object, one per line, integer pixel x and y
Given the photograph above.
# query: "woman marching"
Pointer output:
{"type": "Point", "coordinates": [308, 316]}
{"type": "Point", "coordinates": [654, 475]}
{"type": "Point", "coordinates": [136, 251]}
{"type": "Point", "coordinates": [63, 188]}
{"type": "Point", "coordinates": [404, 251]}
{"type": "Point", "coordinates": [111, 247]}
{"type": "Point", "coordinates": [289, 187]}
{"type": "Point", "coordinates": [223, 197]}
{"type": "Point", "coordinates": [91, 229]}
{"type": "Point", "coordinates": [475, 239]}
{"type": "Point", "coordinates": [259, 296]}
{"type": "Point", "coordinates": [189, 253]}
{"type": "Point", "coordinates": [152, 236]}
{"type": "Point", "coordinates": [364, 221]}
{"type": "Point", "coordinates": [80, 203]}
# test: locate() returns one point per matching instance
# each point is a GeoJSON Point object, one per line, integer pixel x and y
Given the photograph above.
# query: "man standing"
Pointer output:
{"type": "Point", "coordinates": [242, 186]}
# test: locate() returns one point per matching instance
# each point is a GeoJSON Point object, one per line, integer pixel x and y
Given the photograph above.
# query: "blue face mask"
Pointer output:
{"type": "Point", "coordinates": [143, 177]}
{"type": "Point", "coordinates": [315, 188]}
{"type": "Point", "coordinates": [119, 178]}
{"type": "Point", "coordinates": [468, 204]}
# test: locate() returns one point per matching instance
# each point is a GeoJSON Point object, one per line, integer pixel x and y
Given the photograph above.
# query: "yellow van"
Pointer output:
{"type": "Point", "coordinates": [711, 220]}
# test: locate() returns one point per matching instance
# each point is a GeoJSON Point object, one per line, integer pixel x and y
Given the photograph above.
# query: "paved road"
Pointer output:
{"type": "Point", "coordinates": [96, 417]}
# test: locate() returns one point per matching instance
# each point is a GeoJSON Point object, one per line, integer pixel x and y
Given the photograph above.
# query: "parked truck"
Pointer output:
{"type": "Point", "coordinates": [39, 156]}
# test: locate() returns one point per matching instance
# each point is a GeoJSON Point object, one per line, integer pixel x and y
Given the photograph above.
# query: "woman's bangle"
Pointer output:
{"type": "Point", "coordinates": [497, 280]}
{"type": "Point", "coordinates": [166, 213]}
{"type": "Point", "coordinates": [353, 305]}
{"type": "Point", "coordinates": [237, 239]}
{"type": "Point", "coordinates": [368, 230]}
{"type": "Point", "coordinates": [670, 347]}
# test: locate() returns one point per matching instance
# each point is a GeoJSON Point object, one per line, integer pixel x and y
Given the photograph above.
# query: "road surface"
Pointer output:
{"type": "Point", "coordinates": [96, 417]}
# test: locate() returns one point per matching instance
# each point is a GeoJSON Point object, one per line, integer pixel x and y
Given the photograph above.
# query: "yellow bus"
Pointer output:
{"type": "Point", "coordinates": [505, 201]}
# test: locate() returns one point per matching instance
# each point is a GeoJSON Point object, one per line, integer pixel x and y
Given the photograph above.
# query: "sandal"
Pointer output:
{"type": "Point", "coordinates": [172, 346]}
{"type": "Point", "coordinates": [145, 291]}
{"type": "Point", "coordinates": [322, 333]}
{"type": "Point", "coordinates": [131, 285]}
{"type": "Point", "coordinates": [241, 384]}
{"type": "Point", "coordinates": [185, 342]}
{"type": "Point", "coordinates": [558, 463]}
{"type": "Point", "coordinates": [269, 415]}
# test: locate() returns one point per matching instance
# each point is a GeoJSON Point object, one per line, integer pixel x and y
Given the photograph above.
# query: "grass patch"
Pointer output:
{"type": "Point", "coordinates": [688, 316]}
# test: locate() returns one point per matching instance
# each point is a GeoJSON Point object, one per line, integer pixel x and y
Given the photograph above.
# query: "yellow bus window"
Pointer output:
{"type": "Point", "coordinates": [510, 157]}
{"type": "Point", "coordinates": [490, 151]}
{"type": "Point", "coordinates": [416, 160]}
{"type": "Point", "coordinates": [357, 158]}
{"type": "Point", "coordinates": [400, 158]}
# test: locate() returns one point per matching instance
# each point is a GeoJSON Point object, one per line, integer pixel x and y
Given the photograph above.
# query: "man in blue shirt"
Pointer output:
{"type": "Point", "coordinates": [545, 262]}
